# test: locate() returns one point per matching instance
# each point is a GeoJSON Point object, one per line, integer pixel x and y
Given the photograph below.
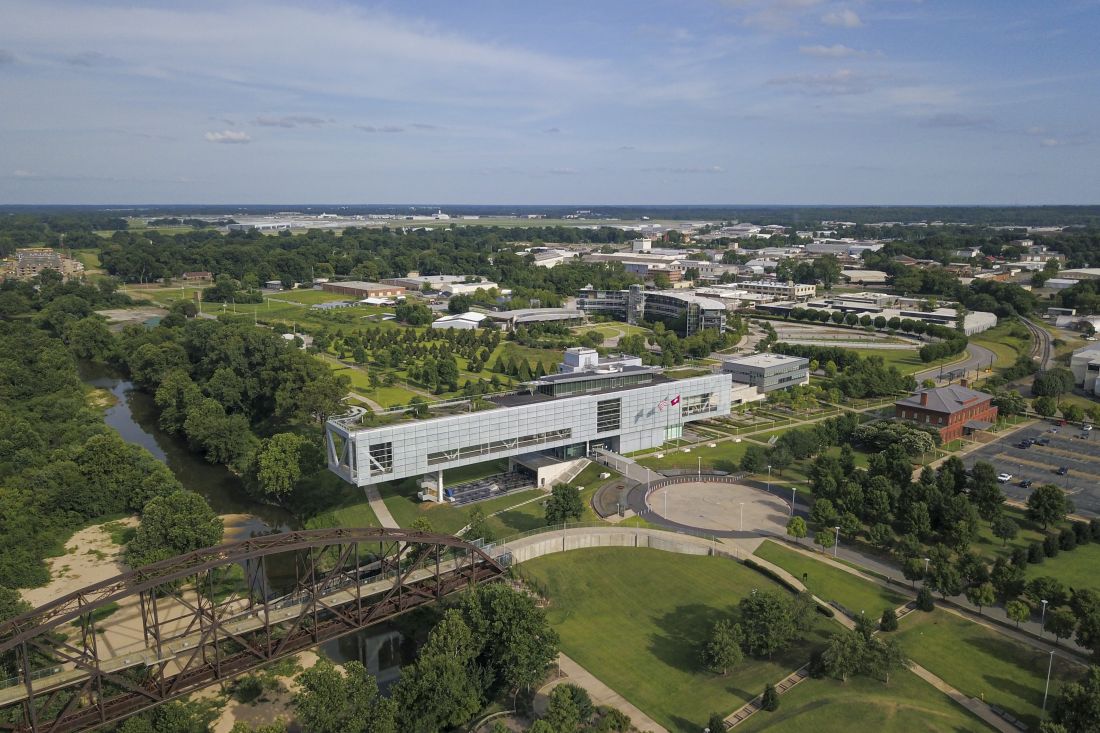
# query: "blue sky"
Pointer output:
{"type": "Point", "coordinates": [503, 101]}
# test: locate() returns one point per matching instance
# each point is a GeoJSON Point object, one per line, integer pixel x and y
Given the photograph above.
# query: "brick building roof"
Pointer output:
{"type": "Point", "coordinates": [947, 400]}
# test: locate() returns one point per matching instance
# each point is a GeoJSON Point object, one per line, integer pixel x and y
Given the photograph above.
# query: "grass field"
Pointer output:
{"type": "Point", "coordinates": [983, 663]}
{"type": "Point", "coordinates": [724, 457]}
{"type": "Point", "coordinates": [906, 360]}
{"type": "Point", "coordinates": [831, 584]}
{"type": "Point", "coordinates": [645, 645]}
{"type": "Point", "coordinates": [1005, 341]}
{"type": "Point", "coordinates": [907, 705]}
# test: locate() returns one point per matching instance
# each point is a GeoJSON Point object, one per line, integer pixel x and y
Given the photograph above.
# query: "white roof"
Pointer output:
{"type": "Point", "coordinates": [470, 316]}
{"type": "Point", "coordinates": [765, 360]}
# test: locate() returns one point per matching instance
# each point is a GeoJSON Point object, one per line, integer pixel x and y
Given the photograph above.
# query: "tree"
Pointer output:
{"type": "Point", "coordinates": [913, 569]}
{"type": "Point", "coordinates": [770, 699]}
{"type": "Point", "coordinates": [754, 460]}
{"type": "Point", "coordinates": [716, 723]}
{"type": "Point", "coordinates": [1077, 706]}
{"type": "Point", "coordinates": [981, 595]}
{"type": "Point", "coordinates": [89, 338]}
{"type": "Point", "coordinates": [569, 707]}
{"type": "Point", "coordinates": [844, 654]}
{"type": "Point", "coordinates": [478, 526]}
{"type": "Point", "coordinates": [1045, 406]}
{"type": "Point", "coordinates": [278, 464]}
{"type": "Point", "coordinates": [925, 602]}
{"type": "Point", "coordinates": [883, 657]}
{"type": "Point", "coordinates": [329, 701]}
{"type": "Point", "coordinates": [1048, 505]}
{"type": "Point", "coordinates": [1005, 528]}
{"type": "Point", "coordinates": [824, 514]}
{"type": "Point", "coordinates": [722, 651]}
{"type": "Point", "coordinates": [171, 525]}
{"type": "Point", "coordinates": [767, 622]}
{"type": "Point", "coordinates": [780, 458]}
{"type": "Point", "coordinates": [1061, 622]}
{"type": "Point", "coordinates": [796, 527]}
{"type": "Point", "coordinates": [441, 689]}
{"type": "Point", "coordinates": [825, 538]}
{"type": "Point", "coordinates": [564, 504]}
{"type": "Point", "coordinates": [889, 620]}
{"type": "Point", "coordinates": [176, 395]}
{"type": "Point", "coordinates": [1018, 611]}
{"type": "Point", "coordinates": [945, 579]}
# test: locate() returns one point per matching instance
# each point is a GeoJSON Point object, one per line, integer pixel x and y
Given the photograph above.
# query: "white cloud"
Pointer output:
{"type": "Point", "coordinates": [956, 120]}
{"type": "Point", "coordinates": [229, 136]}
{"type": "Point", "coordinates": [773, 15]}
{"type": "Point", "coordinates": [90, 58]}
{"type": "Point", "coordinates": [836, 51]}
{"type": "Point", "coordinates": [6, 57]}
{"type": "Point", "coordinates": [289, 121]}
{"type": "Point", "coordinates": [842, 81]}
{"type": "Point", "coordinates": [1050, 142]}
{"type": "Point", "coordinates": [845, 18]}
{"type": "Point", "coordinates": [688, 170]}
{"type": "Point", "coordinates": [379, 128]}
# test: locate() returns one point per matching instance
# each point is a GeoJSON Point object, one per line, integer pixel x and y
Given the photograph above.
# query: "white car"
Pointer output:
{"type": "Point", "coordinates": [1004, 478]}
{"type": "Point", "coordinates": [1086, 427]}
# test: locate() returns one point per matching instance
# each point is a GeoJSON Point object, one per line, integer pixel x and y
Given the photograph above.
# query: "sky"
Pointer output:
{"type": "Point", "coordinates": [522, 102]}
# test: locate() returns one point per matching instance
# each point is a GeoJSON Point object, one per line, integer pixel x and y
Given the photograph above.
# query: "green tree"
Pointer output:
{"type": "Point", "coordinates": [1018, 611]}
{"type": "Point", "coordinates": [767, 622]}
{"type": "Point", "coordinates": [889, 620]}
{"type": "Point", "coordinates": [441, 689]}
{"type": "Point", "coordinates": [569, 707]}
{"type": "Point", "coordinates": [175, 524]}
{"type": "Point", "coordinates": [1045, 406]}
{"type": "Point", "coordinates": [825, 537]}
{"type": "Point", "coordinates": [173, 717]}
{"type": "Point", "coordinates": [564, 504]}
{"type": "Point", "coordinates": [844, 654]}
{"type": "Point", "coordinates": [722, 650]}
{"type": "Point", "coordinates": [1005, 529]}
{"type": "Point", "coordinates": [176, 395]}
{"type": "Point", "coordinates": [1077, 706]}
{"type": "Point", "coordinates": [331, 702]}
{"type": "Point", "coordinates": [1048, 505]}
{"type": "Point", "coordinates": [770, 699]}
{"type": "Point", "coordinates": [278, 464]}
{"type": "Point", "coordinates": [981, 595]}
{"type": "Point", "coordinates": [796, 527]}
{"type": "Point", "coordinates": [1061, 622]}
{"type": "Point", "coordinates": [716, 723]}
{"type": "Point", "coordinates": [89, 338]}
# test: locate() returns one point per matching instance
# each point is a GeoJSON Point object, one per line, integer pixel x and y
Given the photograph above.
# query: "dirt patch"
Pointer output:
{"type": "Point", "coordinates": [90, 557]}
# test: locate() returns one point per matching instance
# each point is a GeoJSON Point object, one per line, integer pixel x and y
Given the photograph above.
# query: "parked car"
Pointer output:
{"type": "Point", "coordinates": [1042, 441]}
{"type": "Point", "coordinates": [1086, 427]}
{"type": "Point", "coordinates": [1025, 484]}
{"type": "Point", "coordinates": [1023, 444]}
{"type": "Point", "coordinates": [1004, 478]}
{"type": "Point", "coordinates": [1063, 471]}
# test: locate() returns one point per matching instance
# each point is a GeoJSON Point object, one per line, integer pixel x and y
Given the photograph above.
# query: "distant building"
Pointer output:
{"type": "Point", "coordinates": [462, 321]}
{"type": "Point", "coordinates": [361, 289]}
{"type": "Point", "coordinates": [512, 319]}
{"type": "Point", "coordinates": [768, 372]}
{"type": "Point", "coordinates": [1060, 283]}
{"type": "Point", "coordinates": [465, 288]}
{"type": "Point", "coordinates": [954, 411]}
{"type": "Point", "coordinates": [784, 290]}
{"type": "Point", "coordinates": [1085, 365]}
{"type": "Point", "coordinates": [864, 277]}
{"type": "Point", "coordinates": [333, 305]}
{"type": "Point", "coordinates": [580, 359]}
{"type": "Point", "coordinates": [28, 262]}
{"type": "Point", "coordinates": [199, 275]}
{"type": "Point", "coordinates": [635, 304]}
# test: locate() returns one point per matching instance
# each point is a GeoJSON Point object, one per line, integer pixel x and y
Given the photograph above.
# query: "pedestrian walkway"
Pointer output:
{"type": "Point", "coordinates": [385, 519]}
{"type": "Point", "coordinates": [600, 693]}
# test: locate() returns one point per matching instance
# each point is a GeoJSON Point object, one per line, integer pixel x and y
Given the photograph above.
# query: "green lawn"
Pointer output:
{"type": "Point", "coordinates": [635, 618]}
{"type": "Point", "coordinates": [906, 360]}
{"type": "Point", "coordinates": [983, 663]}
{"type": "Point", "coordinates": [832, 584]}
{"type": "Point", "coordinates": [907, 705]}
{"type": "Point", "coordinates": [724, 456]}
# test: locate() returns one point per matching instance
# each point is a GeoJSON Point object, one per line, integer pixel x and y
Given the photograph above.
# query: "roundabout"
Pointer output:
{"type": "Point", "coordinates": [718, 505]}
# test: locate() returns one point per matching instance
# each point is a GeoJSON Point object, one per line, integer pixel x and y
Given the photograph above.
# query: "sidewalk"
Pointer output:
{"type": "Point", "coordinates": [379, 508]}
{"type": "Point", "coordinates": [600, 693]}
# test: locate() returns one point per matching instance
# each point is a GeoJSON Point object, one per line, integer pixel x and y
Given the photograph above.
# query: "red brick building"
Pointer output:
{"type": "Point", "coordinates": [955, 410]}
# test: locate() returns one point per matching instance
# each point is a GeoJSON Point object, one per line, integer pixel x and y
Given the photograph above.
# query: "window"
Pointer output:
{"type": "Point", "coordinates": [498, 446]}
{"type": "Point", "coordinates": [700, 404]}
{"type": "Point", "coordinates": [381, 458]}
{"type": "Point", "coordinates": [608, 415]}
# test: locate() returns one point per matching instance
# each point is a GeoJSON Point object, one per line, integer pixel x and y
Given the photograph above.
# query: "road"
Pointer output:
{"type": "Point", "coordinates": [977, 357]}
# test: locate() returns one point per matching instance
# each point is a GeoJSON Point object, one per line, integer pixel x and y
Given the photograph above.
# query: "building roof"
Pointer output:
{"type": "Point", "coordinates": [364, 285]}
{"type": "Point", "coordinates": [766, 360]}
{"type": "Point", "coordinates": [470, 316]}
{"type": "Point", "coordinates": [948, 399]}
{"type": "Point", "coordinates": [535, 314]}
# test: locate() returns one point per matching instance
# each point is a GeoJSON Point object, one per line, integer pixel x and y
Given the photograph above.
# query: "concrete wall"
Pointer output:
{"type": "Point", "coordinates": [574, 539]}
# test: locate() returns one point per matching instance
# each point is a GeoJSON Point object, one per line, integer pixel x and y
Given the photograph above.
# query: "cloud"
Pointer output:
{"type": "Point", "coordinates": [626, 147]}
{"type": "Point", "coordinates": [289, 121]}
{"type": "Point", "coordinates": [689, 170]}
{"type": "Point", "coordinates": [552, 130]}
{"type": "Point", "coordinates": [381, 128]}
{"type": "Point", "coordinates": [6, 57]}
{"type": "Point", "coordinates": [423, 126]}
{"type": "Point", "coordinates": [842, 81]}
{"type": "Point", "coordinates": [773, 15]}
{"type": "Point", "coordinates": [1050, 142]}
{"type": "Point", "coordinates": [956, 120]}
{"type": "Point", "coordinates": [564, 172]}
{"type": "Point", "coordinates": [90, 58]}
{"type": "Point", "coordinates": [836, 51]}
{"type": "Point", "coordinates": [232, 137]}
{"type": "Point", "coordinates": [845, 18]}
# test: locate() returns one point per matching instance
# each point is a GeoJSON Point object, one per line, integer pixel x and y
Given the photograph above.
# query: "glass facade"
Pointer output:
{"type": "Point", "coordinates": [609, 415]}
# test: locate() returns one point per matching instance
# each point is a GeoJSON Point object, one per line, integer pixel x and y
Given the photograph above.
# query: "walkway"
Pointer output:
{"type": "Point", "coordinates": [600, 693]}
{"type": "Point", "coordinates": [385, 519]}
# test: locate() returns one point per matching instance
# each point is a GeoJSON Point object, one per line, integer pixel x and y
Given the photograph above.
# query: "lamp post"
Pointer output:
{"type": "Point", "coordinates": [1043, 617]}
{"type": "Point", "coordinates": [1046, 690]}
{"type": "Point", "coordinates": [794, 490]}
{"type": "Point", "coordinates": [836, 542]}
{"type": "Point", "coordinates": [769, 478]}
{"type": "Point", "coordinates": [926, 566]}
{"type": "Point", "coordinates": [742, 505]}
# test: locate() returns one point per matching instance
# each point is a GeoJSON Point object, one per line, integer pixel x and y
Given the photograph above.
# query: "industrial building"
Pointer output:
{"type": "Point", "coordinates": [510, 320]}
{"type": "Point", "coordinates": [462, 321]}
{"type": "Point", "coordinates": [635, 304]}
{"type": "Point", "coordinates": [1085, 365]}
{"type": "Point", "coordinates": [561, 417]}
{"type": "Point", "coordinates": [768, 372]}
{"type": "Point", "coordinates": [361, 289]}
{"type": "Point", "coordinates": [781, 290]}
{"type": "Point", "coordinates": [580, 359]}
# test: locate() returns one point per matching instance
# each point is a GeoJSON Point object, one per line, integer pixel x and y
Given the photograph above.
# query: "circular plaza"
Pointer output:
{"type": "Point", "coordinates": [718, 506]}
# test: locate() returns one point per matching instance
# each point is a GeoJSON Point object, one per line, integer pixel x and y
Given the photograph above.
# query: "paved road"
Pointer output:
{"type": "Point", "coordinates": [978, 357]}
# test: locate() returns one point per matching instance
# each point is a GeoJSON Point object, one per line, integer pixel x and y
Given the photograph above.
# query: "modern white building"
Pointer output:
{"type": "Point", "coordinates": [768, 372]}
{"type": "Point", "coordinates": [1085, 365]}
{"type": "Point", "coordinates": [581, 359]}
{"type": "Point", "coordinates": [783, 290]}
{"type": "Point", "coordinates": [562, 416]}
{"type": "Point", "coordinates": [462, 321]}
{"type": "Point", "coordinates": [687, 313]}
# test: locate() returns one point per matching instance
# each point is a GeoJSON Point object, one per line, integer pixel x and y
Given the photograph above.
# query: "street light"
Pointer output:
{"type": "Point", "coordinates": [794, 489]}
{"type": "Point", "coordinates": [1042, 619]}
{"type": "Point", "coordinates": [1046, 690]}
{"type": "Point", "coordinates": [742, 505]}
{"type": "Point", "coordinates": [769, 478]}
{"type": "Point", "coordinates": [836, 542]}
{"type": "Point", "coordinates": [926, 566]}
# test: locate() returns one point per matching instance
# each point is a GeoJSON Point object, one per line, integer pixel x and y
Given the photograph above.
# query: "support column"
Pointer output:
{"type": "Point", "coordinates": [439, 486]}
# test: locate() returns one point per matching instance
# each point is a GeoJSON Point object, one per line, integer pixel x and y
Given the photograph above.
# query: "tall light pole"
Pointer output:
{"type": "Point", "coordinates": [769, 478]}
{"type": "Point", "coordinates": [1043, 617]}
{"type": "Point", "coordinates": [836, 542]}
{"type": "Point", "coordinates": [926, 566]}
{"type": "Point", "coordinates": [742, 504]}
{"type": "Point", "coordinates": [794, 490]}
{"type": "Point", "coordinates": [1046, 690]}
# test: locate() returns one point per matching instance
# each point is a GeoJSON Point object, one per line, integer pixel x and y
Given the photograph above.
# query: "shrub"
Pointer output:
{"type": "Point", "coordinates": [1035, 553]}
{"type": "Point", "coordinates": [1067, 539]}
{"type": "Point", "coordinates": [1019, 557]}
{"type": "Point", "coordinates": [1050, 545]}
{"type": "Point", "coordinates": [1081, 530]}
{"type": "Point", "coordinates": [770, 702]}
{"type": "Point", "coordinates": [889, 621]}
{"type": "Point", "coordinates": [1094, 529]}
{"type": "Point", "coordinates": [925, 602]}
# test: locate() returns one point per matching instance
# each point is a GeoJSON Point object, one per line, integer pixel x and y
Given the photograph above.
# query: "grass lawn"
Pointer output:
{"type": "Point", "coordinates": [982, 663]}
{"type": "Point", "coordinates": [645, 645]}
{"type": "Point", "coordinates": [832, 584]}
{"type": "Point", "coordinates": [724, 457]}
{"type": "Point", "coordinates": [1076, 569]}
{"type": "Point", "coordinates": [907, 705]}
{"type": "Point", "coordinates": [906, 360]}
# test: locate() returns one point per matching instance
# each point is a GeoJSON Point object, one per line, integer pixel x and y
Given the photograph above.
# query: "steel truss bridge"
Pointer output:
{"type": "Point", "coordinates": [191, 631]}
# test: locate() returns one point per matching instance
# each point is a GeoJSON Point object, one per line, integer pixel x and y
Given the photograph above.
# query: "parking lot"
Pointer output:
{"type": "Point", "coordinates": [1070, 447]}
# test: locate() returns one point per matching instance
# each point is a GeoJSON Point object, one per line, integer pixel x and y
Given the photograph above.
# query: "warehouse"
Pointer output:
{"type": "Point", "coordinates": [361, 289]}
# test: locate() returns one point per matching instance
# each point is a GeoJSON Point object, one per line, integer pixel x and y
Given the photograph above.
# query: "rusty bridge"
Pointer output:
{"type": "Point", "coordinates": [205, 617]}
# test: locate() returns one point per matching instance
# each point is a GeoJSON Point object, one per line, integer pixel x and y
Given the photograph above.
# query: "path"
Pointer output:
{"type": "Point", "coordinates": [385, 519]}
{"type": "Point", "coordinates": [977, 357]}
{"type": "Point", "coordinates": [600, 693]}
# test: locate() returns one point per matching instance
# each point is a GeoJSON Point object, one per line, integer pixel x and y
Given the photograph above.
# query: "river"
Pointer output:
{"type": "Point", "coordinates": [381, 648]}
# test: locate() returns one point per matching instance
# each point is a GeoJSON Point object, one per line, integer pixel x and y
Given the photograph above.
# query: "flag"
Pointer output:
{"type": "Point", "coordinates": [675, 400]}
{"type": "Point", "coordinates": [662, 404]}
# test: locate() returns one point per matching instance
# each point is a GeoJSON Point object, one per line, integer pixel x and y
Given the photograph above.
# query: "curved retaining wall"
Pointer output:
{"type": "Point", "coordinates": [528, 548]}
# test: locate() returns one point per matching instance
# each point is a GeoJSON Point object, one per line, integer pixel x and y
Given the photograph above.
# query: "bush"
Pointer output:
{"type": "Point", "coordinates": [1081, 530]}
{"type": "Point", "coordinates": [1094, 529]}
{"type": "Point", "coordinates": [1019, 557]}
{"type": "Point", "coordinates": [248, 688]}
{"type": "Point", "coordinates": [889, 621]}
{"type": "Point", "coordinates": [716, 722]}
{"type": "Point", "coordinates": [770, 702]}
{"type": "Point", "coordinates": [925, 602]}
{"type": "Point", "coordinates": [1067, 540]}
{"type": "Point", "coordinates": [817, 664]}
{"type": "Point", "coordinates": [1035, 553]}
{"type": "Point", "coordinates": [1050, 545]}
